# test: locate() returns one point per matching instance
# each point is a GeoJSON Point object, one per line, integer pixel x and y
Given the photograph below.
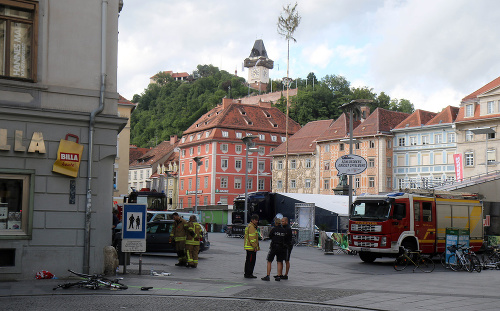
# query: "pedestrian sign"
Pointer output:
{"type": "Point", "coordinates": [134, 228]}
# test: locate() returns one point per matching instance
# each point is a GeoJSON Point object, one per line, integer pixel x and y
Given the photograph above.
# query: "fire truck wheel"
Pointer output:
{"type": "Point", "coordinates": [367, 257]}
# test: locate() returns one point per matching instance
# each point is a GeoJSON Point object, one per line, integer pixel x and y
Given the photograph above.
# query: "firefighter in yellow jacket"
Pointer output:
{"type": "Point", "coordinates": [179, 235]}
{"type": "Point", "coordinates": [251, 246]}
{"type": "Point", "coordinates": [193, 239]}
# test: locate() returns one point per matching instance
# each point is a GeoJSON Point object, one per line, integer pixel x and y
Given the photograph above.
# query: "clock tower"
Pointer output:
{"type": "Point", "coordinates": [258, 65]}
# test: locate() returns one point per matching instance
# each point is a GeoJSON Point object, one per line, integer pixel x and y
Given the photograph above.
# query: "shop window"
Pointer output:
{"type": "Point", "coordinates": [18, 30]}
{"type": "Point", "coordinates": [15, 204]}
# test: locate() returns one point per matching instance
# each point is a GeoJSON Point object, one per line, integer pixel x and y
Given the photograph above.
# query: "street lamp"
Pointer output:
{"type": "Point", "coordinates": [352, 107]}
{"type": "Point", "coordinates": [487, 131]}
{"type": "Point", "coordinates": [248, 144]}
{"type": "Point", "coordinates": [198, 163]}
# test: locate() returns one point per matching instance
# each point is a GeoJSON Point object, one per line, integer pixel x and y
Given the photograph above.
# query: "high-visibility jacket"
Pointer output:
{"type": "Point", "coordinates": [193, 233]}
{"type": "Point", "coordinates": [251, 238]}
{"type": "Point", "coordinates": [179, 231]}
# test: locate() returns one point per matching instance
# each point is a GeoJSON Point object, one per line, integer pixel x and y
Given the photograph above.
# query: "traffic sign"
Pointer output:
{"type": "Point", "coordinates": [134, 228]}
{"type": "Point", "coordinates": [351, 164]}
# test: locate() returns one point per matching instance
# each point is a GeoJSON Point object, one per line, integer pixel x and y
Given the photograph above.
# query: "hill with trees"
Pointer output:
{"type": "Point", "coordinates": [169, 107]}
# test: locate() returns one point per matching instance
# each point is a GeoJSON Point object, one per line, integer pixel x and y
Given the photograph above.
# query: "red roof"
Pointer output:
{"type": "Point", "coordinates": [252, 118]}
{"type": "Point", "coordinates": [135, 153]}
{"type": "Point", "coordinates": [447, 115]}
{"type": "Point", "coordinates": [123, 101]}
{"type": "Point", "coordinates": [338, 129]}
{"type": "Point", "coordinates": [416, 119]}
{"type": "Point", "coordinates": [493, 84]}
{"type": "Point", "coordinates": [154, 155]}
{"type": "Point", "coordinates": [381, 121]}
{"type": "Point", "coordinates": [304, 140]}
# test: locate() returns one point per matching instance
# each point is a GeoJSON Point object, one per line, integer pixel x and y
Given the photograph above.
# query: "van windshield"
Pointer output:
{"type": "Point", "coordinates": [378, 210]}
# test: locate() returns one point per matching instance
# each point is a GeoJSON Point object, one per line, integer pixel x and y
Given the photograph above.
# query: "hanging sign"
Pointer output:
{"type": "Point", "coordinates": [351, 164]}
{"type": "Point", "coordinates": [68, 157]}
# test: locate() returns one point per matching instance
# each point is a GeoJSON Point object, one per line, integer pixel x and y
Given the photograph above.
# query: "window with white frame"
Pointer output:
{"type": "Point", "coordinates": [206, 164]}
{"type": "Point", "coordinates": [327, 148]}
{"type": "Point", "coordinates": [469, 136]}
{"type": "Point", "coordinates": [413, 140]}
{"type": "Point", "coordinates": [388, 182]}
{"type": "Point", "coordinates": [308, 163]}
{"type": "Point", "coordinates": [491, 155]}
{"type": "Point", "coordinates": [191, 151]}
{"type": "Point", "coordinates": [207, 134]}
{"type": "Point", "coordinates": [199, 150]}
{"type": "Point", "coordinates": [389, 144]}
{"type": "Point", "coordinates": [371, 182]}
{"type": "Point", "coordinates": [15, 206]}
{"type": "Point", "coordinates": [293, 183]}
{"type": "Point", "coordinates": [371, 162]}
{"type": "Point", "coordinates": [280, 165]}
{"type": "Point", "coordinates": [225, 134]}
{"type": "Point", "coordinates": [223, 182]}
{"type": "Point", "coordinates": [262, 165]}
{"type": "Point", "coordinates": [389, 162]}
{"type": "Point", "coordinates": [307, 183]}
{"type": "Point", "coordinates": [401, 183]}
{"type": "Point", "coordinates": [438, 139]}
{"type": "Point", "coordinates": [279, 184]}
{"type": "Point", "coordinates": [238, 164]}
{"type": "Point", "coordinates": [469, 110]}
{"type": "Point", "coordinates": [326, 165]}
{"type": "Point", "coordinates": [190, 166]}
{"type": "Point", "coordinates": [274, 138]}
{"type": "Point", "coordinates": [372, 144]}
{"type": "Point", "coordinates": [183, 152]}
{"type": "Point", "coordinates": [198, 136]}
{"type": "Point", "coordinates": [469, 158]}
{"type": "Point", "coordinates": [190, 183]}
{"type": "Point", "coordinates": [401, 141]}
{"type": "Point", "coordinates": [239, 148]}
{"type": "Point", "coordinates": [283, 139]}
{"type": "Point", "coordinates": [491, 107]}
{"type": "Point", "coordinates": [224, 163]}
{"type": "Point", "coordinates": [182, 184]}
{"type": "Point", "coordinates": [451, 137]}
{"type": "Point", "coordinates": [237, 183]}
{"type": "Point", "coordinates": [207, 148]}
{"type": "Point", "coordinates": [191, 137]}
{"type": "Point", "coordinates": [326, 184]}
{"type": "Point", "coordinates": [262, 184]}
{"type": "Point", "coordinates": [239, 135]}
{"type": "Point", "coordinates": [425, 139]}
{"type": "Point", "coordinates": [249, 183]}
{"type": "Point", "coordinates": [206, 182]}
{"type": "Point", "coordinates": [262, 150]}
{"type": "Point", "coordinates": [224, 147]}
{"type": "Point", "coordinates": [293, 164]}
{"type": "Point", "coordinates": [262, 137]}
{"type": "Point", "coordinates": [357, 183]}
{"type": "Point", "coordinates": [250, 165]}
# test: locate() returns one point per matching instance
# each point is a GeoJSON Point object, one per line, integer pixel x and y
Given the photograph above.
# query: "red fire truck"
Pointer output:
{"type": "Point", "coordinates": [380, 224]}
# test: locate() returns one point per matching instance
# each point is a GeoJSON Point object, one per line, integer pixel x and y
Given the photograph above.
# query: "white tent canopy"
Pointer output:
{"type": "Point", "coordinates": [338, 204]}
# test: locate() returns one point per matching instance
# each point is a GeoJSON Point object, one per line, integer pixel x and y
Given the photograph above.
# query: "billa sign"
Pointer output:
{"type": "Point", "coordinates": [351, 164]}
{"type": "Point", "coordinates": [68, 157]}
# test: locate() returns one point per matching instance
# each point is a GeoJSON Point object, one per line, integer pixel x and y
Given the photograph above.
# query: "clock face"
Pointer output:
{"type": "Point", "coordinates": [255, 73]}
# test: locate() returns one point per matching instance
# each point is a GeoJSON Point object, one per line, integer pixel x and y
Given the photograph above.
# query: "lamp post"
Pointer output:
{"type": "Point", "coordinates": [350, 108]}
{"type": "Point", "coordinates": [487, 131]}
{"type": "Point", "coordinates": [168, 173]}
{"type": "Point", "coordinates": [248, 144]}
{"type": "Point", "coordinates": [198, 163]}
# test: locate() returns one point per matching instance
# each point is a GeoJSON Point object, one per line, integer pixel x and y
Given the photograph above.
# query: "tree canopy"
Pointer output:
{"type": "Point", "coordinates": [168, 107]}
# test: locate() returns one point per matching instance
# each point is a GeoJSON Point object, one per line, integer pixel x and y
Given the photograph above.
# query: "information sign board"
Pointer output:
{"type": "Point", "coordinates": [134, 228]}
{"type": "Point", "coordinates": [350, 164]}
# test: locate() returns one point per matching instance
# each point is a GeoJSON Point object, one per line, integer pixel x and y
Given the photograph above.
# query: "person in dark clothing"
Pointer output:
{"type": "Point", "coordinates": [288, 244]}
{"type": "Point", "coordinates": [277, 249]}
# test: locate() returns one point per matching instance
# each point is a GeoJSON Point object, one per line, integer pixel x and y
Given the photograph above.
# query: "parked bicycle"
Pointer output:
{"type": "Point", "coordinates": [423, 263]}
{"type": "Point", "coordinates": [491, 258]}
{"type": "Point", "coordinates": [463, 258]}
{"type": "Point", "coordinates": [94, 281]}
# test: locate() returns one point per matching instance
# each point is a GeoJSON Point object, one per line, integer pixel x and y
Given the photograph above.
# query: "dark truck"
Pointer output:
{"type": "Point", "coordinates": [260, 203]}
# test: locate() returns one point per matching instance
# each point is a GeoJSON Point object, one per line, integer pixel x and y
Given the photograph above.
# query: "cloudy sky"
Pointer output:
{"type": "Point", "coordinates": [432, 52]}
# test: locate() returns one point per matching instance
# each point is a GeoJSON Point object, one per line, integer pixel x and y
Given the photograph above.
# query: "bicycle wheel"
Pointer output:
{"type": "Point", "coordinates": [426, 264]}
{"type": "Point", "coordinates": [476, 263]}
{"type": "Point", "coordinates": [111, 284]}
{"type": "Point", "coordinates": [442, 258]}
{"type": "Point", "coordinates": [400, 263]}
{"type": "Point", "coordinates": [467, 263]}
{"type": "Point", "coordinates": [454, 262]}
